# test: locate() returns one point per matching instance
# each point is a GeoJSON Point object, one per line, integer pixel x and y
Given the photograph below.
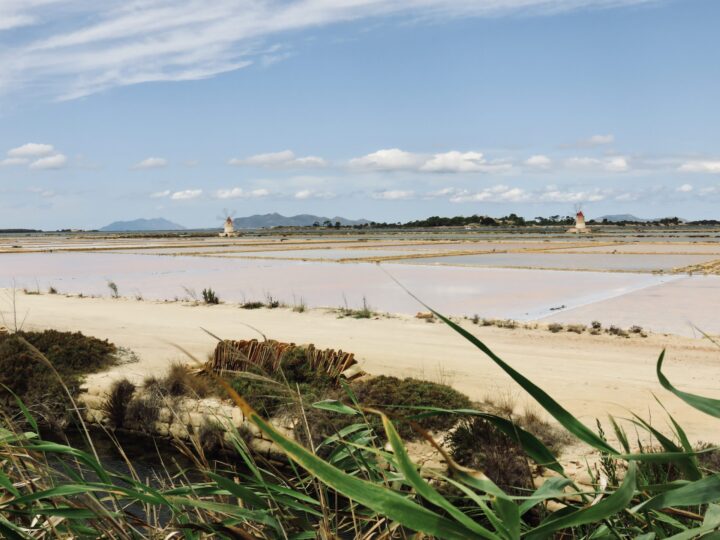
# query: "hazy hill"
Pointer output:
{"type": "Point", "coordinates": [621, 217]}
{"type": "Point", "coordinates": [154, 224]}
{"type": "Point", "coordinates": [259, 221]}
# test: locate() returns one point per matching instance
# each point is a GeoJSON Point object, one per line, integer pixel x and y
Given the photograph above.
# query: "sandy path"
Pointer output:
{"type": "Point", "coordinates": [590, 375]}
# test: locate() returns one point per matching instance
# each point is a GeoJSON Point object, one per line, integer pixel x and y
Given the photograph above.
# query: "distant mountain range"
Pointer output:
{"type": "Point", "coordinates": [621, 217]}
{"type": "Point", "coordinates": [629, 217]}
{"type": "Point", "coordinates": [260, 221]}
{"type": "Point", "coordinates": [155, 224]}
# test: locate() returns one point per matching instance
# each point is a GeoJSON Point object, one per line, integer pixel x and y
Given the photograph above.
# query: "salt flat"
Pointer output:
{"type": "Point", "coordinates": [617, 276]}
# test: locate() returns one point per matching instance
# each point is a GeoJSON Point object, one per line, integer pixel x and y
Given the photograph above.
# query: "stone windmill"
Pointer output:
{"type": "Point", "coordinates": [228, 226]}
{"type": "Point", "coordinates": [580, 227]}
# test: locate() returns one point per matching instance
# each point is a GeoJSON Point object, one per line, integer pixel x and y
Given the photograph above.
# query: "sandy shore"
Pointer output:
{"type": "Point", "coordinates": [592, 376]}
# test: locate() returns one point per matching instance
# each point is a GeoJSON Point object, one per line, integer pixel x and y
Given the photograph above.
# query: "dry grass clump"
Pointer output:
{"type": "Point", "coordinates": [576, 328]}
{"type": "Point", "coordinates": [142, 412]}
{"type": "Point", "coordinates": [179, 381]}
{"type": "Point", "coordinates": [211, 436]}
{"type": "Point", "coordinates": [478, 444]}
{"type": "Point", "coordinates": [617, 331]}
{"type": "Point", "coordinates": [116, 405]}
{"type": "Point", "coordinates": [252, 305]}
{"type": "Point", "coordinates": [555, 327]}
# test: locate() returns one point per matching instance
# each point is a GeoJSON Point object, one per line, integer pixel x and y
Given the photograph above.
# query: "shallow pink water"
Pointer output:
{"type": "Point", "coordinates": [489, 292]}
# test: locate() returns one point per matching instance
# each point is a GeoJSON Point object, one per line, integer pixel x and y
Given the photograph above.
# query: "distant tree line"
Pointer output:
{"type": "Point", "coordinates": [510, 220]}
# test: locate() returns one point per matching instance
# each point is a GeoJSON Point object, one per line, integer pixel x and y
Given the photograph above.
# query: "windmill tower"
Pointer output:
{"type": "Point", "coordinates": [228, 226]}
{"type": "Point", "coordinates": [580, 227]}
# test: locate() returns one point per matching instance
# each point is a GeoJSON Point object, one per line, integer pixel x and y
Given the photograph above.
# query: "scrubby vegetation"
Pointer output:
{"type": "Point", "coordinates": [32, 377]}
{"type": "Point", "coordinates": [116, 404]}
{"type": "Point", "coordinates": [349, 486]}
{"type": "Point", "coordinates": [209, 296]}
{"type": "Point", "coordinates": [179, 381]}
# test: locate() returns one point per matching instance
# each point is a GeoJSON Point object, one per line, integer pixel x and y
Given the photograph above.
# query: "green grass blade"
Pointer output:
{"type": "Point", "coordinates": [567, 420]}
{"type": "Point", "coordinates": [702, 491]}
{"type": "Point", "coordinates": [425, 490]}
{"type": "Point", "coordinates": [707, 405]}
{"type": "Point", "coordinates": [614, 503]}
{"type": "Point", "coordinates": [534, 448]}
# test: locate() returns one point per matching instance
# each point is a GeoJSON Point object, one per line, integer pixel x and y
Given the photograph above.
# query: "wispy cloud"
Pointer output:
{"type": "Point", "coordinates": [709, 166]}
{"type": "Point", "coordinates": [614, 164]}
{"type": "Point", "coordinates": [56, 161]}
{"type": "Point", "coordinates": [35, 156]}
{"type": "Point", "coordinates": [304, 194]}
{"type": "Point", "coordinates": [94, 46]}
{"type": "Point", "coordinates": [453, 161]}
{"type": "Point", "coordinates": [393, 195]}
{"type": "Point", "coordinates": [151, 163]}
{"type": "Point", "coordinates": [186, 194]}
{"type": "Point", "coordinates": [284, 159]}
{"type": "Point", "coordinates": [31, 150]}
{"type": "Point", "coordinates": [240, 193]}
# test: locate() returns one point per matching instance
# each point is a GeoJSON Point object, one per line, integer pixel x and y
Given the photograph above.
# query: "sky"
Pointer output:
{"type": "Point", "coordinates": [378, 109]}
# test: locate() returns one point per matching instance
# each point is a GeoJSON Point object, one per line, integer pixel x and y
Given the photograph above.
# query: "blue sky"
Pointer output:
{"type": "Point", "coordinates": [382, 110]}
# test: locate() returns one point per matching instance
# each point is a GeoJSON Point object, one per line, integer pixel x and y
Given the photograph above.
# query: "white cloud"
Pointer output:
{"type": "Point", "coordinates": [160, 194]}
{"type": "Point", "coordinates": [151, 163]}
{"type": "Point", "coordinates": [186, 194]}
{"type": "Point", "coordinates": [508, 194]}
{"type": "Point", "coordinates": [393, 195]}
{"type": "Point", "coordinates": [31, 150]}
{"type": "Point", "coordinates": [498, 193]}
{"type": "Point", "coordinates": [390, 159]}
{"type": "Point", "coordinates": [239, 193]}
{"type": "Point", "coordinates": [310, 194]}
{"type": "Point", "coordinates": [571, 196]}
{"type": "Point", "coordinates": [461, 162]}
{"type": "Point", "coordinates": [598, 140]}
{"type": "Point", "coordinates": [444, 192]}
{"type": "Point", "coordinates": [539, 162]}
{"type": "Point", "coordinates": [617, 164]}
{"type": "Point", "coordinates": [610, 164]}
{"type": "Point", "coordinates": [51, 162]}
{"type": "Point", "coordinates": [453, 161]}
{"type": "Point", "coordinates": [87, 47]}
{"type": "Point", "coordinates": [284, 159]}
{"type": "Point", "coordinates": [685, 188]}
{"type": "Point", "coordinates": [14, 161]}
{"type": "Point", "coordinates": [700, 167]}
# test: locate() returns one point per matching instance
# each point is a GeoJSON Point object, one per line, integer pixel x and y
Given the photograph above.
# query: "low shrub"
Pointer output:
{"type": "Point", "coordinates": [271, 393]}
{"type": "Point", "coordinates": [73, 355]}
{"type": "Point", "coordinates": [252, 305]}
{"type": "Point", "coordinates": [616, 331]}
{"type": "Point", "coordinates": [394, 395]}
{"type": "Point", "coordinates": [576, 328]}
{"type": "Point", "coordinates": [596, 325]}
{"type": "Point", "coordinates": [116, 405]}
{"type": "Point", "coordinates": [271, 303]}
{"type": "Point", "coordinates": [555, 327]}
{"type": "Point", "coordinates": [211, 436]}
{"type": "Point", "coordinates": [142, 413]}
{"type": "Point", "coordinates": [551, 435]}
{"type": "Point", "coordinates": [478, 444]}
{"type": "Point", "coordinates": [113, 289]}
{"type": "Point", "coordinates": [179, 381]}
{"type": "Point", "coordinates": [209, 296]}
